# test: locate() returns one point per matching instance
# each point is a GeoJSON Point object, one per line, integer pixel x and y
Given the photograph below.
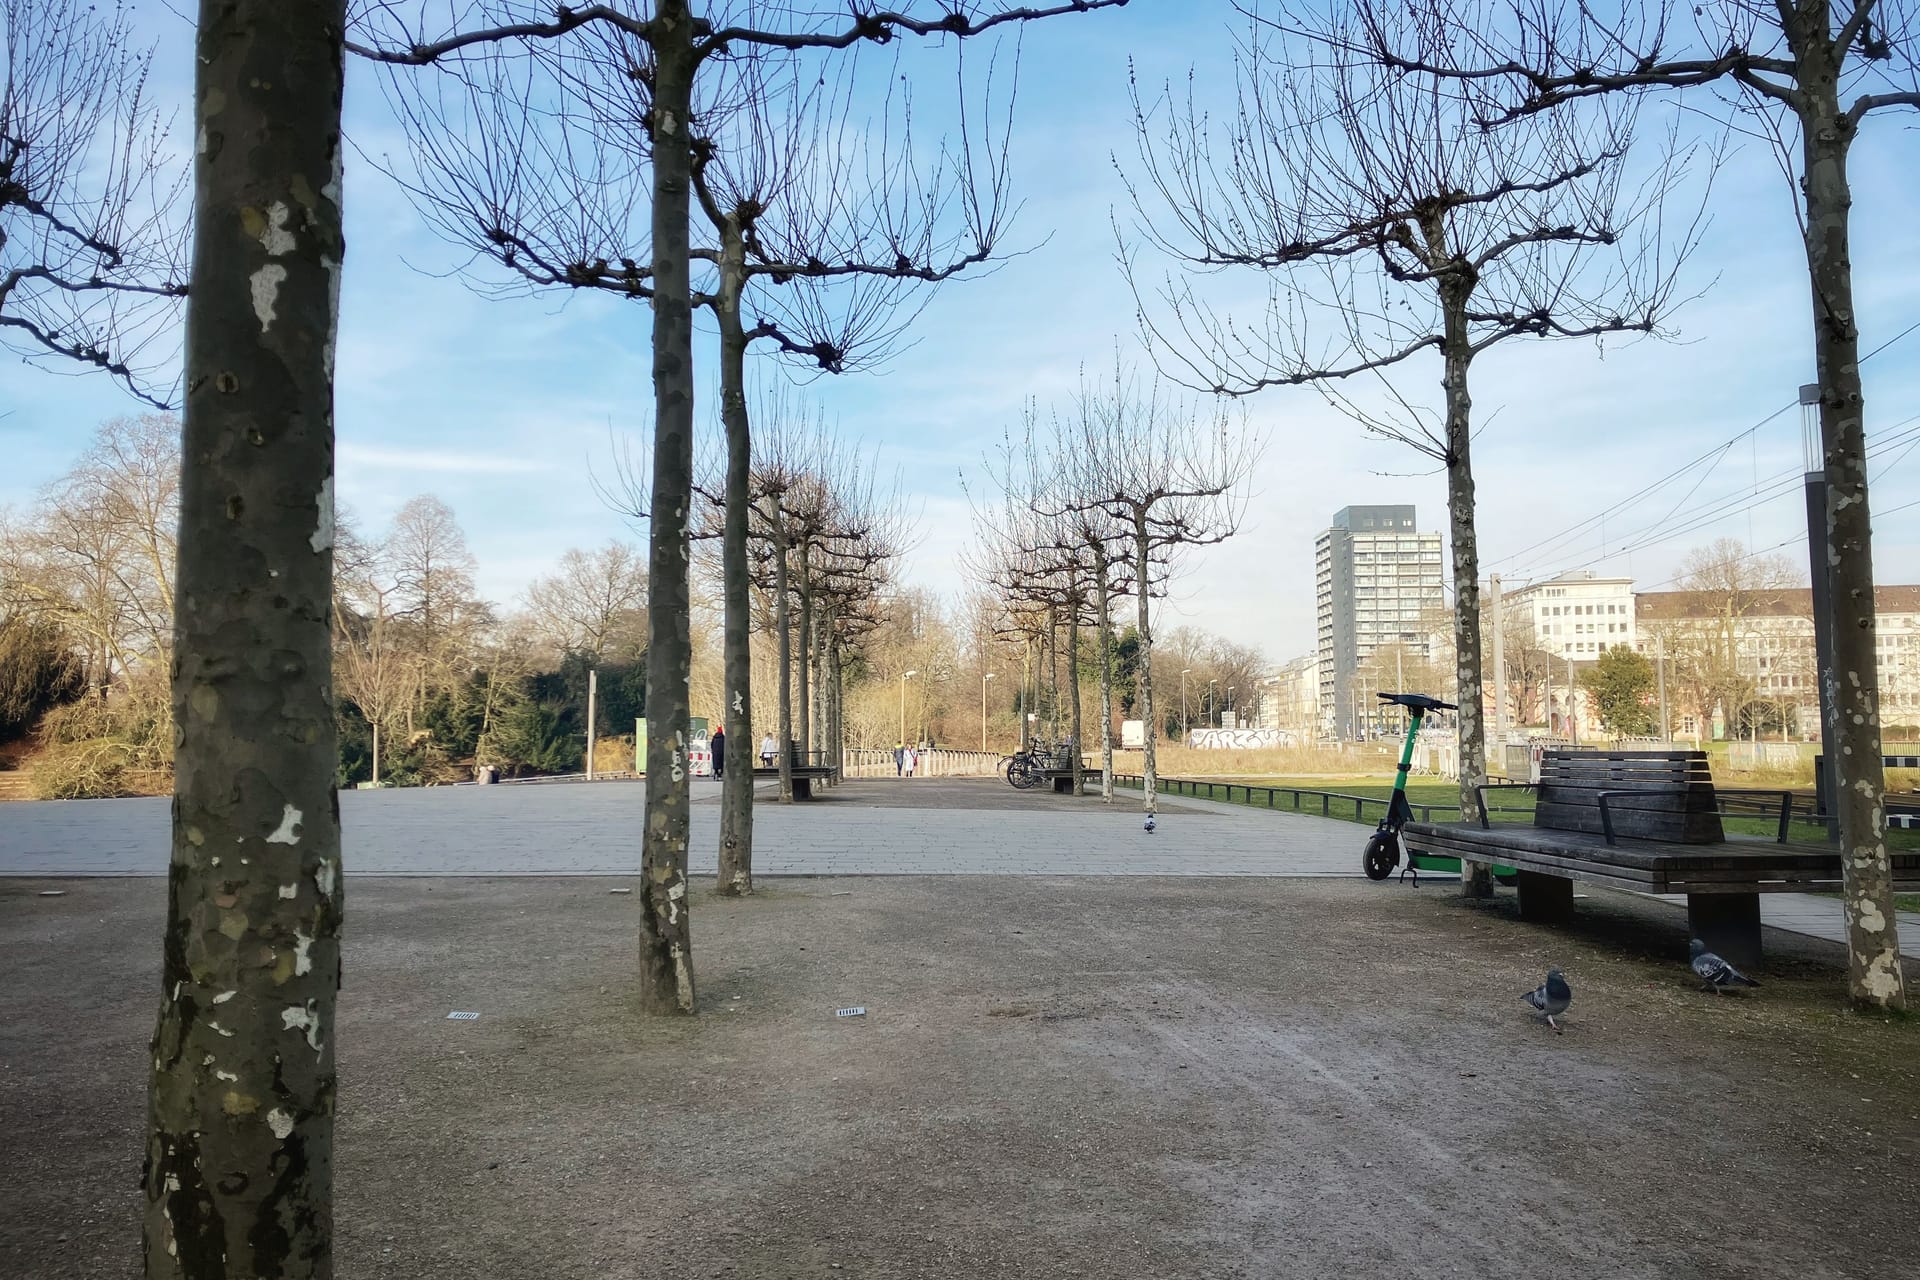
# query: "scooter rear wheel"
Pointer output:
{"type": "Point", "coordinates": [1381, 857]}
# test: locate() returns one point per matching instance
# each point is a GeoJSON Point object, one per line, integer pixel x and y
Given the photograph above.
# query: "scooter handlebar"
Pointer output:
{"type": "Point", "coordinates": [1417, 702]}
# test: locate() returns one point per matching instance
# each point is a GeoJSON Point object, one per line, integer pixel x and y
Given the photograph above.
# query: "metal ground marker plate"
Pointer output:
{"type": "Point", "coordinates": [457, 1016]}
{"type": "Point", "coordinates": [858, 1011]}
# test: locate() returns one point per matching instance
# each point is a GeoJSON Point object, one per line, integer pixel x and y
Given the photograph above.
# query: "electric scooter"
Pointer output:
{"type": "Point", "coordinates": [1387, 847]}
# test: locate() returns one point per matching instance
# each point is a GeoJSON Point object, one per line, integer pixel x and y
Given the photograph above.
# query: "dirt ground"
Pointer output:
{"type": "Point", "coordinates": [1114, 1078]}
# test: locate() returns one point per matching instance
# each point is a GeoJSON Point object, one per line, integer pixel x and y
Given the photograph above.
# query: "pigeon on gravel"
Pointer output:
{"type": "Point", "coordinates": [1149, 824]}
{"type": "Point", "coordinates": [1551, 997]}
{"type": "Point", "coordinates": [1715, 972]}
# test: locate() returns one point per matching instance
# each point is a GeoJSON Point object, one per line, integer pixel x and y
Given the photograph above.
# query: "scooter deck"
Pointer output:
{"type": "Point", "coordinates": [1441, 862]}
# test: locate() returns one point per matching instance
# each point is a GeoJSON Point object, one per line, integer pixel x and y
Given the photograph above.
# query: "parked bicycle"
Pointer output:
{"type": "Point", "coordinates": [1030, 767]}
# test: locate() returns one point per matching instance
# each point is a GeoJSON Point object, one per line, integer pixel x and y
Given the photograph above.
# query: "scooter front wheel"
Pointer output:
{"type": "Point", "coordinates": [1381, 857]}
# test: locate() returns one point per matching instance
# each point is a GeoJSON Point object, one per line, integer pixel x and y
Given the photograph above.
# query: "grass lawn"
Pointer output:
{"type": "Point", "coordinates": [1508, 805]}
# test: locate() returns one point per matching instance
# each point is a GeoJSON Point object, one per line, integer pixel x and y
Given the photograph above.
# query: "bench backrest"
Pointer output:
{"type": "Point", "coordinates": [1670, 794]}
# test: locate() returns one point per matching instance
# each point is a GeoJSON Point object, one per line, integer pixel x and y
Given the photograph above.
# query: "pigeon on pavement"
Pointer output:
{"type": "Point", "coordinates": [1715, 972]}
{"type": "Point", "coordinates": [1551, 997]}
{"type": "Point", "coordinates": [1149, 824]}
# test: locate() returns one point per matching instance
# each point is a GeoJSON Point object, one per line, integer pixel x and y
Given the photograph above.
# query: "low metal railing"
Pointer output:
{"type": "Point", "coordinates": [1325, 800]}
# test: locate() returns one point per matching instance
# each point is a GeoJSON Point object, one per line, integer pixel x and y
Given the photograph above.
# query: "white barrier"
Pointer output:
{"type": "Point", "coordinates": [878, 762]}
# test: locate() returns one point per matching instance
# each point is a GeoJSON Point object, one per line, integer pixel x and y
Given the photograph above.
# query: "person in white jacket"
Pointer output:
{"type": "Point", "coordinates": [768, 749]}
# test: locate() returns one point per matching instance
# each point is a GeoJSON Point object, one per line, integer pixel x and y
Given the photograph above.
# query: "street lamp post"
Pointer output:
{"type": "Point", "coordinates": [983, 710]}
{"type": "Point", "coordinates": [1212, 710]}
{"type": "Point", "coordinates": [904, 677]}
{"type": "Point", "coordinates": [1186, 722]}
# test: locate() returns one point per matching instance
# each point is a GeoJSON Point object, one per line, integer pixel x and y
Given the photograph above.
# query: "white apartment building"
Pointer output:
{"type": "Point", "coordinates": [1290, 698]}
{"type": "Point", "coordinates": [1576, 615]}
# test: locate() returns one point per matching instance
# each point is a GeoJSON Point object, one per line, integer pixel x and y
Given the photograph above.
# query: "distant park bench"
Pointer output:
{"type": "Point", "coordinates": [1059, 771]}
{"type": "Point", "coordinates": [804, 769]}
{"type": "Point", "coordinates": [1650, 821]}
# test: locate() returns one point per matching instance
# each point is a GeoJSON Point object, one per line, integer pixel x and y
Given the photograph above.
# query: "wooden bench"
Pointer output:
{"type": "Point", "coordinates": [804, 776]}
{"type": "Point", "coordinates": [1060, 769]}
{"type": "Point", "coordinates": [1648, 821]}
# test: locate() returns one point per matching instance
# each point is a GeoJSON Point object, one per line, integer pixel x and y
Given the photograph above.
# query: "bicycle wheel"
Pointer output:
{"type": "Point", "coordinates": [1023, 775]}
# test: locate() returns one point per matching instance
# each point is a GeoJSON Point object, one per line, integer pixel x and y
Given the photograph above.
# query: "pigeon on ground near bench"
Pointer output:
{"type": "Point", "coordinates": [1551, 997]}
{"type": "Point", "coordinates": [1715, 972]}
{"type": "Point", "coordinates": [1149, 824]}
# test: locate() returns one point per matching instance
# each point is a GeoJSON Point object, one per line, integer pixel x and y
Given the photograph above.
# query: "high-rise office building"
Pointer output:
{"type": "Point", "coordinates": [1378, 583]}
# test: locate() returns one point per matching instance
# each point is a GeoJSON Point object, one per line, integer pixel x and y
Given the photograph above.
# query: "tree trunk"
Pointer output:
{"type": "Point", "coordinates": [239, 1159]}
{"type": "Point", "coordinates": [1053, 672]}
{"type": "Point", "coordinates": [1149, 732]}
{"type": "Point", "coordinates": [1476, 878]}
{"type": "Point", "coordinates": [1025, 708]}
{"type": "Point", "coordinates": [1073, 693]}
{"type": "Point", "coordinates": [822, 696]}
{"type": "Point", "coordinates": [805, 665]}
{"type": "Point", "coordinates": [376, 752]}
{"type": "Point", "coordinates": [736, 712]}
{"type": "Point", "coordinates": [666, 934]}
{"type": "Point", "coordinates": [837, 700]}
{"type": "Point", "coordinates": [1106, 684]}
{"type": "Point", "coordinates": [1874, 977]}
{"type": "Point", "coordinates": [783, 641]}
{"type": "Point", "coordinates": [821, 699]}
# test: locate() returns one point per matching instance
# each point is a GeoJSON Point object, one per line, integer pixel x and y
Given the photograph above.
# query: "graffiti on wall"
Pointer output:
{"type": "Point", "coordinates": [1239, 739]}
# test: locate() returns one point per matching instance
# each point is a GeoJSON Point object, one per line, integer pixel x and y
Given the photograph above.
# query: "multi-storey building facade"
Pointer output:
{"type": "Point", "coordinates": [1576, 615]}
{"type": "Point", "coordinates": [1736, 668]}
{"type": "Point", "coordinates": [1377, 579]}
{"type": "Point", "coordinates": [1290, 698]}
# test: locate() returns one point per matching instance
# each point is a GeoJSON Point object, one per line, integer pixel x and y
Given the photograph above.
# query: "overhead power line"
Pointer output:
{"type": "Point", "coordinates": [1708, 458]}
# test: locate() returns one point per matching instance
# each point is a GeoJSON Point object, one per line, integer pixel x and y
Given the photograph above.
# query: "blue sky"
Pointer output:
{"type": "Point", "coordinates": [503, 408]}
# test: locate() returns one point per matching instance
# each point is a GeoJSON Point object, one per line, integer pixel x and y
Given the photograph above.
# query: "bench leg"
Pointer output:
{"type": "Point", "coordinates": [1729, 923]}
{"type": "Point", "coordinates": [1062, 785]}
{"type": "Point", "coordinates": [1546, 899]}
{"type": "Point", "coordinates": [803, 788]}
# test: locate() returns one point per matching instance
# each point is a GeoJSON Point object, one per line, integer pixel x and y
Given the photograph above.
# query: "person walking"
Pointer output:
{"type": "Point", "coordinates": [719, 744]}
{"type": "Point", "coordinates": [909, 760]}
{"type": "Point", "coordinates": [768, 749]}
{"type": "Point", "coordinates": [899, 759]}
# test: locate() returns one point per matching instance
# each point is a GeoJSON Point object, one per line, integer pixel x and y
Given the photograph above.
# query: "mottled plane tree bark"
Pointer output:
{"type": "Point", "coordinates": [1812, 68]}
{"type": "Point", "coordinates": [1378, 210]}
{"type": "Point", "coordinates": [239, 1160]}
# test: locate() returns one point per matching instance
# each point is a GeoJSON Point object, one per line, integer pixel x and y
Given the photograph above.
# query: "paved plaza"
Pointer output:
{"type": "Point", "coordinates": [881, 827]}
{"type": "Point", "coordinates": [923, 826]}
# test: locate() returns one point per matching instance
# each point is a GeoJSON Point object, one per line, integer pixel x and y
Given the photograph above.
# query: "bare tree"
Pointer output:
{"type": "Point", "coordinates": [1818, 69]}
{"type": "Point", "coordinates": [1171, 475]}
{"type": "Point", "coordinates": [91, 250]}
{"type": "Point", "coordinates": [239, 1156]}
{"type": "Point", "coordinates": [97, 552]}
{"type": "Point", "coordinates": [672, 51]}
{"type": "Point", "coordinates": [376, 666]}
{"type": "Point", "coordinates": [1407, 228]}
{"type": "Point", "coordinates": [596, 603]}
{"type": "Point", "coordinates": [1710, 639]}
{"type": "Point", "coordinates": [1052, 553]}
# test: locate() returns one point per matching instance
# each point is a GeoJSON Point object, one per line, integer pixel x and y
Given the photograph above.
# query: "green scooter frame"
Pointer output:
{"type": "Point", "coordinates": [1387, 847]}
